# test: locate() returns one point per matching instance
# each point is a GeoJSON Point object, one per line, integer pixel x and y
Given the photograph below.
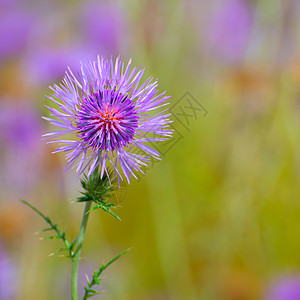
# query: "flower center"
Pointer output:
{"type": "Point", "coordinates": [109, 116]}
{"type": "Point", "coordinates": [107, 120]}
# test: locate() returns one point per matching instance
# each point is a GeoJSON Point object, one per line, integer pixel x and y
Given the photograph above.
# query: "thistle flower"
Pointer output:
{"type": "Point", "coordinates": [230, 28]}
{"type": "Point", "coordinates": [110, 117]}
{"type": "Point", "coordinates": [285, 288]}
{"type": "Point", "coordinates": [20, 148]}
{"type": "Point", "coordinates": [106, 33]}
{"type": "Point", "coordinates": [46, 64]}
{"type": "Point", "coordinates": [16, 27]}
{"type": "Point", "coordinates": [7, 277]}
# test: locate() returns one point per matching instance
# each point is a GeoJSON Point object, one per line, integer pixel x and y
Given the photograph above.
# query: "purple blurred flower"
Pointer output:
{"type": "Point", "coordinates": [109, 115]}
{"type": "Point", "coordinates": [230, 29]}
{"type": "Point", "coordinates": [8, 280]}
{"type": "Point", "coordinates": [104, 25]}
{"type": "Point", "coordinates": [287, 288]}
{"type": "Point", "coordinates": [15, 30]}
{"type": "Point", "coordinates": [46, 65]}
{"type": "Point", "coordinates": [20, 147]}
{"type": "Point", "coordinates": [46, 61]}
{"type": "Point", "coordinates": [19, 125]}
{"type": "Point", "coordinates": [8, 3]}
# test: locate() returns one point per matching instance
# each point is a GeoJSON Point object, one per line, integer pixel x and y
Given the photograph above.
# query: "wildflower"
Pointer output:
{"type": "Point", "coordinates": [20, 148]}
{"type": "Point", "coordinates": [285, 288]}
{"type": "Point", "coordinates": [230, 28]}
{"type": "Point", "coordinates": [106, 34]}
{"type": "Point", "coordinates": [7, 277]}
{"type": "Point", "coordinates": [47, 64]}
{"type": "Point", "coordinates": [109, 116]}
{"type": "Point", "coordinates": [15, 29]}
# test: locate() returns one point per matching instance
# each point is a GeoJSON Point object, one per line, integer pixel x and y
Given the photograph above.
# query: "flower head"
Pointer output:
{"type": "Point", "coordinates": [7, 277]}
{"type": "Point", "coordinates": [16, 27]}
{"type": "Point", "coordinates": [106, 33]}
{"type": "Point", "coordinates": [20, 148]}
{"type": "Point", "coordinates": [110, 117]}
{"type": "Point", "coordinates": [230, 29]}
{"type": "Point", "coordinates": [46, 64]}
{"type": "Point", "coordinates": [285, 288]}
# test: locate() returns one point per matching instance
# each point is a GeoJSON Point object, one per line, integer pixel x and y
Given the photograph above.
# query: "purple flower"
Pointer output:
{"type": "Point", "coordinates": [7, 277]}
{"type": "Point", "coordinates": [103, 33]}
{"type": "Point", "coordinates": [15, 30]}
{"type": "Point", "coordinates": [20, 125]}
{"type": "Point", "coordinates": [287, 288]}
{"type": "Point", "coordinates": [8, 3]}
{"type": "Point", "coordinates": [45, 65]}
{"type": "Point", "coordinates": [230, 29]}
{"type": "Point", "coordinates": [109, 116]}
{"type": "Point", "coordinates": [20, 147]}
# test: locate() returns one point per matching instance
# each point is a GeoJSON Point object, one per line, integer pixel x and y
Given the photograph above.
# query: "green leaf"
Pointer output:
{"type": "Point", "coordinates": [50, 237]}
{"type": "Point", "coordinates": [96, 280]}
{"type": "Point", "coordinates": [59, 234]}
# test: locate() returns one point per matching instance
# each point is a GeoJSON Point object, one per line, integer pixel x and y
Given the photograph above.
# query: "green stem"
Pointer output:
{"type": "Point", "coordinates": [76, 257]}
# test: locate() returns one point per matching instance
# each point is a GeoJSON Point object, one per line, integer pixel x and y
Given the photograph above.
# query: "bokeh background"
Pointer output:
{"type": "Point", "coordinates": [219, 217]}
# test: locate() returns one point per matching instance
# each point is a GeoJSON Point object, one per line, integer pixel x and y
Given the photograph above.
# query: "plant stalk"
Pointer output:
{"type": "Point", "coordinates": [76, 257]}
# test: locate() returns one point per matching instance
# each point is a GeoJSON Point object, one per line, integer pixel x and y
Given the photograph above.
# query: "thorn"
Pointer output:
{"type": "Point", "coordinates": [43, 230]}
{"type": "Point", "coordinates": [87, 278]}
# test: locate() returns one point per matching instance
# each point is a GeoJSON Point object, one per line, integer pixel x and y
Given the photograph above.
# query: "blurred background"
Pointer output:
{"type": "Point", "coordinates": [219, 216]}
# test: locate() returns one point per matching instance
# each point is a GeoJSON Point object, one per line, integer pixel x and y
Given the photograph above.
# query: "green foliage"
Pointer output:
{"type": "Point", "coordinates": [98, 189]}
{"type": "Point", "coordinates": [59, 235]}
{"type": "Point", "coordinates": [89, 292]}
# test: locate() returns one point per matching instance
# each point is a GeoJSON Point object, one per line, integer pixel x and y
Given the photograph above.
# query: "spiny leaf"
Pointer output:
{"type": "Point", "coordinates": [58, 251]}
{"type": "Point", "coordinates": [96, 280]}
{"type": "Point", "coordinates": [105, 208]}
{"type": "Point", "coordinates": [50, 237]}
{"type": "Point", "coordinates": [73, 243]}
{"type": "Point", "coordinates": [59, 234]}
{"type": "Point", "coordinates": [44, 230]}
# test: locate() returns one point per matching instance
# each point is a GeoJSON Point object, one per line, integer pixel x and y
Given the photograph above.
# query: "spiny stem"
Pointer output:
{"type": "Point", "coordinates": [76, 257]}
